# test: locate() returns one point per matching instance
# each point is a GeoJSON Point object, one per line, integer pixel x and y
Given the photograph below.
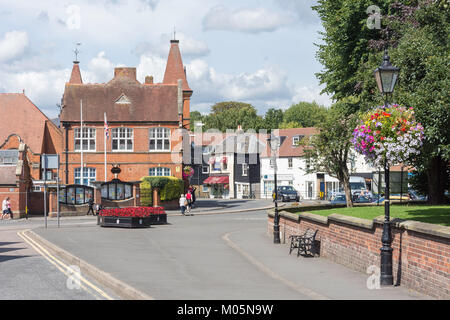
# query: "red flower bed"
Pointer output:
{"type": "Point", "coordinates": [139, 212]}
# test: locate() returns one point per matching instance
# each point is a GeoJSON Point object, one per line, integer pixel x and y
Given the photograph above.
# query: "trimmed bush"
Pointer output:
{"type": "Point", "coordinates": [170, 188]}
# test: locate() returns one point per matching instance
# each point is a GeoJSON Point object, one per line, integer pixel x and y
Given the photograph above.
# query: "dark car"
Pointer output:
{"type": "Point", "coordinates": [342, 199]}
{"type": "Point", "coordinates": [339, 199]}
{"type": "Point", "coordinates": [287, 193]}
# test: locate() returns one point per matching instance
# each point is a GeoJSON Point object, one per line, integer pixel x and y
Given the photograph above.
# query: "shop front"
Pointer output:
{"type": "Point", "coordinates": [219, 187]}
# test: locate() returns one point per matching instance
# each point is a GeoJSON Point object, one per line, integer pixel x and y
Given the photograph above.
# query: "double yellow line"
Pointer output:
{"type": "Point", "coordinates": [61, 266]}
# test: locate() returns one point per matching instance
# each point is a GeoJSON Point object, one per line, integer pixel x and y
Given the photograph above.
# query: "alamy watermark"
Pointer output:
{"type": "Point", "coordinates": [73, 21]}
{"type": "Point", "coordinates": [374, 19]}
{"type": "Point", "coordinates": [73, 281]}
{"type": "Point", "coordinates": [373, 282]}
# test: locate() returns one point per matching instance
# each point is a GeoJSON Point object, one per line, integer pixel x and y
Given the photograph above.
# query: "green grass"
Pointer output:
{"type": "Point", "coordinates": [424, 213]}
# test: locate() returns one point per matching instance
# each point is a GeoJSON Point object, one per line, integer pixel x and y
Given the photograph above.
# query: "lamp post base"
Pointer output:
{"type": "Point", "coordinates": [386, 277]}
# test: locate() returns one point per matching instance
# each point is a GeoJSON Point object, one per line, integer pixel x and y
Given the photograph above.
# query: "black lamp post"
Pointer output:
{"type": "Point", "coordinates": [386, 77]}
{"type": "Point", "coordinates": [274, 142]}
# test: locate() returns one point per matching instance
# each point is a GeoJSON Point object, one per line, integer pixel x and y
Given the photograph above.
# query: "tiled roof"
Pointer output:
{"type": "Point", "coordinates": [7, 175]}
{"type": "Point", "coordinates": [147, 103]}
{"type": "Point", "coordinates": [287, 148]}
{"type": "Point", "coordinates": [175, 68]}
{"type": "Point", "coordinates": [21, 117]}
{"type": "Point", "coordinates": [75, 77]}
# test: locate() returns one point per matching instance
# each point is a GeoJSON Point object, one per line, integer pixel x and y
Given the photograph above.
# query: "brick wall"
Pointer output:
{"type": "Point", "coordinates": [421, 251]}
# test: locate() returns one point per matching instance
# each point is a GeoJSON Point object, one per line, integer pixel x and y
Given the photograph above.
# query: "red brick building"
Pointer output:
{"type": "Point", "coordinates": [25, 134]}
{"type": "Point", "coordinates": [143, 121]}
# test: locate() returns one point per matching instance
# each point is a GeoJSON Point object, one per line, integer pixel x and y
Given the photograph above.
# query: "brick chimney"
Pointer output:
{"type": "Point", "coordinates": [125, 72]}
{"type": "Point", "coordinates": [149, 80]}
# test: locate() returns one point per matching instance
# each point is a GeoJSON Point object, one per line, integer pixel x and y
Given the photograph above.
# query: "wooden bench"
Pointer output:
{"type": "Point", "coordinates": [305, 243]}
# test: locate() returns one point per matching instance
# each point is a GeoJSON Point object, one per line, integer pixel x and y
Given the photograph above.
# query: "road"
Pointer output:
{"type": "Point", "coordinates": [215, 256]}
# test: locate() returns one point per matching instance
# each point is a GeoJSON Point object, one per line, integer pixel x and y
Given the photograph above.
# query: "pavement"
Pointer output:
{"type": "Point", "coordinates": [226, 256]}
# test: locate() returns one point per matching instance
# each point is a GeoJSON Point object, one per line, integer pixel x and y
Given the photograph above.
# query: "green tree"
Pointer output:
{"type": "Point", "coordinates": [417, 33]}
{"type": "Point", "coordinates": [223, 118]}
{"type": "Point", "coordinates": [290, 125]}
{"type": "Point", "coordinates": [419, 46]}
{"type": "Point", "coordinates": [345, 43]}
{"type": "Point", "coordinates": [329, 150]}
{"type": "Point", "coordinates": [306, 114]}
{"type": "Point", "coordinates": [273, 118]}
{"type": "Point", "coordinates": [228, 105]}
{"type": "Point", "coordinates": [195, 116]}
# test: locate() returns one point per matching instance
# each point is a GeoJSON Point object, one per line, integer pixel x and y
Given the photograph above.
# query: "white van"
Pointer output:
{"type": "Point", "coordinates": [357, 184]}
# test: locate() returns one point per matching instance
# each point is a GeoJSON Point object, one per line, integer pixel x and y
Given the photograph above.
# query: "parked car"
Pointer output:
{"type": "Point", "coordinates": [378, 200]}
{"type": "Point", "coordinates": [339, 199]}
{"type": "Point", "coordinates": [342, 199]}
{"type": "Point", "coordinates": [363, 199]}
{"type": "Point", "coordinates": [414, 195]}
{"type": "Point", "coordinates": [287, 193]}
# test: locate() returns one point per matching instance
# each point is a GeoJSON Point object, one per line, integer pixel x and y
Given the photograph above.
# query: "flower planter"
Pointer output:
{"type": "Point", "coordinates": [125, 222]}
{"type": "Point", "coordinates": [141, 217]}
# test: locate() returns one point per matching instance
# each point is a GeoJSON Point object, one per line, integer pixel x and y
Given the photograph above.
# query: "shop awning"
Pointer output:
{"type": "Point", "coordinates": [216, 180]}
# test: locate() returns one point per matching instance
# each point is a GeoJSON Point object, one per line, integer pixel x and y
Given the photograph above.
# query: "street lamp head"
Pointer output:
{"type": "Point", "coordinates": [386, 75]}
{"type": "Point", "coordinates": [273, 141]}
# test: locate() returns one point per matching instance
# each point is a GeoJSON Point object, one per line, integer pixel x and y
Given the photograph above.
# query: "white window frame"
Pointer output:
{"type": "Point", "coordinates": [87, 174]}
{"type": "Point", "coordinates": [159, 134]}
{"type": "Point", "coordinates": [296, 139]}
{"type": "Point", "coordinates": [9, 157]}
{"type": "Point", "coordinates": [290, 163]}
{"type": "Point", "coordinates": [163, 172]}
{"type": "Point", "coordinates": [205, 171]}
{"type": "Point", "coordinates": [245, 169]}
{"type": "Point", "coordinates": [89, 134]}
{"type": "Point", "coordinates": [119, 134]}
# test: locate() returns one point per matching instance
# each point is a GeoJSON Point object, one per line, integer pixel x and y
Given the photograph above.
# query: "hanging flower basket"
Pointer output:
{"type": "Point", "coordinates": [188, 172]}
{"type": "Point", "coordinates": [388, 134]}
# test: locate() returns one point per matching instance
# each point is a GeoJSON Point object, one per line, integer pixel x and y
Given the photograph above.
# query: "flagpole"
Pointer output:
{"type": "Point", "coordinates": [104, 138]}
{"type": "Point", "coordinates": [81, 142]}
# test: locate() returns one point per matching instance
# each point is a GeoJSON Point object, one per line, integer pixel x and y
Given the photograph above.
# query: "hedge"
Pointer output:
{"type": "Point", "coordinates": [170, 188]}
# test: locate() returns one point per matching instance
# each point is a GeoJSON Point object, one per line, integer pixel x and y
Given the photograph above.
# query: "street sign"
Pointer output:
{"type": "Point", "coordinates": [50, 161]}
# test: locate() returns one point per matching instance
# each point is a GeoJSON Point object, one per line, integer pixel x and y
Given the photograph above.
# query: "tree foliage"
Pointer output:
{"type": "Point", "coordinates": [329, 150]}
{"type": "Point", "coordinates": [416, 33]}
{"type": "Point", "coordinates": [304, 114]}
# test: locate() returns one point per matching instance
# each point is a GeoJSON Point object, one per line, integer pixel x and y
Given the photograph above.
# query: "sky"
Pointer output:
{"type": "Point", "coordinates": [256, 51]}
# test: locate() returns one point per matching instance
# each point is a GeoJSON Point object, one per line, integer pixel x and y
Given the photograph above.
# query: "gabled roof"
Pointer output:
{"type": "Point", "coordinates": [175, 68]}
{"type": "Point", "coordinates": [242, 143]}
{"type": "Point", "coordinates": [22, 118]}
{"type": "Point", "coordinates": [287, 148]}
{"type": "Point", "coordinates": [147, 103]}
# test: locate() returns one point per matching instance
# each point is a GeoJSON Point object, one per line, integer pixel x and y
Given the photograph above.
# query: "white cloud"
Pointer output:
{"type": "Point", "coordinates": [100, 69]}
{"type": "Point", "coordinates": [151, 65]}
{"type": "Point", "coordinates": [245, 20]}
{"type": "Point", "coordinates": [302, 9]}
{"type": "Point", "coordinates": [189, 47]}
{"type": "Point", "coordinates": [13, 45]}
{"type": "Point", "coordinates": [310, 94]}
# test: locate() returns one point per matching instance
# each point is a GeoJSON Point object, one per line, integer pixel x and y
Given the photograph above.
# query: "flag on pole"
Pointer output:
{"type": "Point", "coordinates": [106, 128]}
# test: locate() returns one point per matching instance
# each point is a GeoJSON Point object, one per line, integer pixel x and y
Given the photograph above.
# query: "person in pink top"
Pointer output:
{"type": "Point", "coordinates": [189, 201]}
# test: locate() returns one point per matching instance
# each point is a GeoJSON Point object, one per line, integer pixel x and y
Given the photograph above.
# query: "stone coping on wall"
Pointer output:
{"type": "Point", "coordinates": [417, 226]}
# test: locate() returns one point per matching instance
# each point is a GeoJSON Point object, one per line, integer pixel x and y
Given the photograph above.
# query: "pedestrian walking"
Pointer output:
{"type": "Point", "coordinates": [6, 209]}
{"type": "Point", "coordinates": [91, 207]}
{"type": "Point", "coordinates": [183, 203]}
{"type": "Point", "coordinates": [189, 202]}
{"type": "Point", "coordinates": [193, 195]}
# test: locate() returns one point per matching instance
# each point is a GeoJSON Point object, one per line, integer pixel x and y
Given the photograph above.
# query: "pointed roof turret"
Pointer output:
{"type": "Point", "coordinates": [174, 68]}
{"type": "Point", "coordinates": [75, 77]}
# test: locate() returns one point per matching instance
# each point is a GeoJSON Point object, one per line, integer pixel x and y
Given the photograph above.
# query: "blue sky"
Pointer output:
{"type": "Point", "coordinates": [256, 51]}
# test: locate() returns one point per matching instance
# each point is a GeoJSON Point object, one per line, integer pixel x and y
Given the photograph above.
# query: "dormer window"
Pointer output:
{"type": "Point", "coordinates": [123, 99]}
{"type": "Point", "coordinates": [296, 140]}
